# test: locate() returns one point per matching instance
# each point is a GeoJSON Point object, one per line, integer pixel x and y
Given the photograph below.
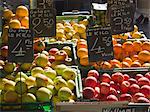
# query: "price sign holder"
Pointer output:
{"type": "Point", "coordinates": [100, 45]}
{"type": "Point", "coordinates": [20, 45]}
{"type": "Point", "coordinates": [43, 22]}
{"type": "Point", "coordinates": [90, 106]}
{"type": "Point", "coordinates": [45, 4]}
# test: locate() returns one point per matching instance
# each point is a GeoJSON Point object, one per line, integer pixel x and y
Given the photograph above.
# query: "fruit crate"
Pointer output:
{"type": "Point", "coordinates": [60, 46]}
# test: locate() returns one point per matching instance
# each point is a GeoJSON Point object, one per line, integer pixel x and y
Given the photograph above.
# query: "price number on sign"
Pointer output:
{"type": "Point", "coordinates": [44, 3]}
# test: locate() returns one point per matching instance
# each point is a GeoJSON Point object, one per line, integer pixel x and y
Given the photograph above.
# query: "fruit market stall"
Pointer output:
{"type": "Point", "coordinates": [75, 62]}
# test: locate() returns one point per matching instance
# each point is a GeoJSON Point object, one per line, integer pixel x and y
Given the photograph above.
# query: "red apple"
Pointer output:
{"type": "Point", "coordinates": [126, 77]}
{"type": "Point", "coordinates": [134, 88]}
{"type": "Point", "coordinates": [145, 90]}
{"type": "Point", "coordinates": [114, 85]}
{"type": "Point", "coordinates": [91, 82]}
{"type": "Point", "coordinates": [147, 75]}
{"type": "Point", "coordinates": [4, 51]}
{"type": "Point", "coordinates": [143, 100]}
{"type": "Point", "coordinates": [106, 78]}
{"type": "Point", "coordinates": [132, 81]}
{"type": "Point", "coordinates": [113, 91]}
{"type": "Point", "coordinates": [125, 86]}
{"type": "Point", "coordinates": [97, 92]}
{"type": "Point", "coordinates": [52, 51]}
{"type": "Point", "coordinates": [136, 96]}
{"type": "Point", "coordinates": [105, 88]}
{"type": "Point", "coordinates": [98, 84]}
{"type": "Point", "coordinates": [51, 58]}
{"type": "Point", "coordinates": [143, 81]}
{"type": "Point", "coordinates": [138, 76]}
{"type": "Point", "coordinates": [93, 73]}
{"type": "Point", "coordinates": [103, 97]}
{"type": "Point", "coordinates": [125, 97]}
{"type": "Point", "coordinates": [88, 92]}
{"type": "Point", "coordinates": [112, 98]}
{"type": "Point", "coordinates": [60, 55]}
{"type": "Point", "coordinates": [117, 77]}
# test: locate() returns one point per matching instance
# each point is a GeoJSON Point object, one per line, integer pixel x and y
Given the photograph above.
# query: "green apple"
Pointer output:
{"type": "Point", "coordinates": [50, 73]}
{"type": "Point", "coordinates": [55, 99]}
{"type": "Point", "coordinates": [52, 89]}
{"type": "Point", "coordinates": [71, 84]}
{"type": "Point", "coordinates": [28, 98]}
{"type": "Point", "coordinates": [26, 66]}
{"type": "Point", "coordinates": [10, 96]}
{"type": "Point", "coordinates": [21, 74]}
{"type": "Point", "coordinates": [9, 67]}
{"type": "Point", "coordinates": [41, 80]}
{"type": "Point", "coordinates": [64, 93]}
{"type": "Point", "coordinates": [37, 70]}
{"type": "Point", "coordinates": [68, 50]}
{"type": "Point", "coordinates": [21, 87]}
{"type": "Point", "coordinates": [9, 85]}
{"type": "Point", "coordinates": [30, 81]}
{"type": "Point", "coordinates": [59, 83]}
{"type": "Point", "coordinates": [32, 89]}
{"type": "Point", "coordinates": [43, 94]}
{"type": "Point", "coordinates": [59, 68]}
{"type": "Point", "coordinates": [69, 73]}
{"type": "Point", "coordinates": [41, 60]}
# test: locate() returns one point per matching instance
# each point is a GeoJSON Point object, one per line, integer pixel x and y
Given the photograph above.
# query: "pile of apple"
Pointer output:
{"type": "Point", "coordinates": [45, 83]}
{"type": "Point", "coordinates": [117, 87]}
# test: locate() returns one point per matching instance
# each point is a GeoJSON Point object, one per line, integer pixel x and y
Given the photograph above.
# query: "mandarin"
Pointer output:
{"type": "Point", "coordinates": [146, 46]}
{"type": "Point", "coordinates": [117, 48]}
{"type": "Point", "coordinates": [137, 46]}
{"type": "Point", "coordinates": [128, 46]}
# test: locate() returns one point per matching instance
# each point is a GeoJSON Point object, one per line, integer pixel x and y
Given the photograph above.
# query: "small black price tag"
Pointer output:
{"type": "Point", "coordinates": [45, 4]}
{"type": "Point", "coordinates": [20, 45]}
{"type": "Point", "coordinates": [121, 18]}
{"type": "Point", "coordinates": [100, 45]}
{"type": "Point", "coordinates": [43, 22]}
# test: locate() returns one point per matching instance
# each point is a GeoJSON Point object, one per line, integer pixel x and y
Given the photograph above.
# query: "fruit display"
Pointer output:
{"type": "Point", "coordinates": [117, 87]}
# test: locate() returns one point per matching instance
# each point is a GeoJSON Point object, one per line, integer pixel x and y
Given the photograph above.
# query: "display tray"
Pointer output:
{"type": "Point", "coordinates": [40, 106]}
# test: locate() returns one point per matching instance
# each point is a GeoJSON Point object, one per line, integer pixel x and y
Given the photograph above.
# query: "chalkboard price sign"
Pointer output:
{"type": "Point", "coordinates": [43, 22]}
{"type": "Point", "coordinates": [20, 45]}
{"type": "Point", "coordinates": [45, 4]}
{"type": "Point", "coordinates": [121, 18]}
{"type": "Point", "coordinates": [99, 42]}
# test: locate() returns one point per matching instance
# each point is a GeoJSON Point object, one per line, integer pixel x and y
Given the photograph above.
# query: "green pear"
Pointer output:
{"type": "Point", "coordinates": [69, 73]}
{"type": "Point", "coordinates": [20, 75]}
{"type": "Point", "coordinates": [71, 84]}
{"type": "Point", "coordinates": [28, 98]}
{"type": "Point", "coordinates": [9, 67]}
{"type": "Point", "coordinates": [21, 87]}
{"type": "Point", "coordinates": [59, 68]}
{"type": "Point", "coordinates": [52, 89]}
{"type": "Point", "coordinates": [10, 96]}
{"type": "Point", "coordinates": [50, 73]}
{"type": "Point", "coordinates": [41, 80]}
{"type": "Point", "coordinates": [9, 85]}
{"type": "Point", "coordinates": [32, 89]}
{"type": "Point", "coordinates": [64, 93]}
{"type": "Point", "coordinates": [43, 94]}
{"type": "Point", "coordinates": [30, 81]}
{"type": "Point", "coordinates": [59, 83]}
{"type": "Point", "coordinates": [37, 70]}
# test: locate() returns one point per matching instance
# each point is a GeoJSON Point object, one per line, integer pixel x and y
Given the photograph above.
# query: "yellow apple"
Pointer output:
{"type": "Point", "coordinates": [71, 84]}
{"type": "Point", "coordinates": [59, 83]}
{"type": "Point", "coordinates": [50, 73]}
{"type": "Point", "coordinates": [36, 70]}
{"type": "Point", "coordinates": [28, 98]}
{"type": "Point", "coordinates": [59, 68]}
{"type": "Point", "coordinates": [64, 93]}
{"type": "Point", "coordinates": [41, 80]}
{"type": "Point", "coordinates": [10, 96]}
{"type": "Point", "coordinates": [30, 81]}
{"type": "Point", "coordinates": [69, 73]}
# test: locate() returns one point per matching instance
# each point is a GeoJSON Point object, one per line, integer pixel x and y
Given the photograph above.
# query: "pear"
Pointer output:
{"type": "Point", "coordinates": [69, 73]}
{"type": "Point", "coordinates": [60, 83]}
{"type": "Point", "coordinates": [43, 94]}
{"type": "Point", "coordinates": [64, 93]}
{"type": "Point", "coordinates": [28, 98]}
{"type": "Point", "coordinates": [59, 68]}
{"type": "Point", "coordinates": [71, 84]}
{"type": "Point", "coordinates": [50, 73]}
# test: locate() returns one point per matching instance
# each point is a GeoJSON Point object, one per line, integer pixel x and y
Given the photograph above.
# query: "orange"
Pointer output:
{"type": "Point", "coordinates": [15, 24]}
{"type": "Point", "coordinates": [7, 14]}
{"type": "Point", "coordinates": [144, 56]}
{"type": "Point", "coordinates": [128, 46]}
{"type": "Point", "coordinates": [82, 52]}
{"type": "Point", "coordinates": [125, 65]}
{"type": "Point", "coordinates": [117, 48]}
{"type": "Point", "coordinates": [84, 60]}
{"type": "Point", "coordinates": [125, 54]}
{"type": "Point", "coordinates": [106, 65]}
{"type": "Point", "coordinates": [132, 53]}
{"type": "Point", "coordinates": [128, 60]}
{"type": "Point", "coordinates": [134, 57]}
{"type": "Point", "coordinates": [136, 64]}
{"type": "Point", "coordinates": [137, 46]}
{"type": "Point", "coordinates": [146, 46]}
{"type": "Point", "coordinates": [25, 22]}
{"type": "Point", "coordinates": [114, 62]}
{"type": "Point", "coordinates": [22, 11]}
{"type": "Point", "coordinates": [115, 36]}
{"type": "Point", "coordinates": [116, 66]}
